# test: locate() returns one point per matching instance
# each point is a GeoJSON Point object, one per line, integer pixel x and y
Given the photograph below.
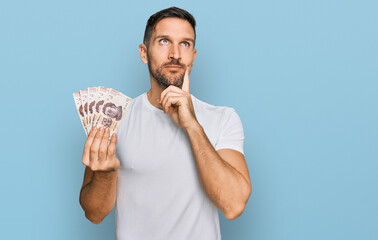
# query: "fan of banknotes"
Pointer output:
{"type": "Point", "coordinates": [101, 107]}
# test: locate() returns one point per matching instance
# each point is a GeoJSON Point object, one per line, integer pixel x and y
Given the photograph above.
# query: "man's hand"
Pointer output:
{"type": "Point", "coordinates": [98, 154]}
{"type": "Point", "coordinates": [178, 104]}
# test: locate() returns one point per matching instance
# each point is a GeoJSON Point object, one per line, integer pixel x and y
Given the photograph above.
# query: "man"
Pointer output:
{"type": "Point", "coordinates": [178, 159]}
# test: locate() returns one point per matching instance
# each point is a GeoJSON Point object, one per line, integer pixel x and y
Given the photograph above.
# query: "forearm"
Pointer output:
{"type": "Point", "coordinates": [225, 186]}
{"type": "Point", "coordinates": [98, 197]}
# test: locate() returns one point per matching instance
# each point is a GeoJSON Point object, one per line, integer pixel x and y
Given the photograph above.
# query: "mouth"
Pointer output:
{"type": "Point", "coordinates": [173, 66]}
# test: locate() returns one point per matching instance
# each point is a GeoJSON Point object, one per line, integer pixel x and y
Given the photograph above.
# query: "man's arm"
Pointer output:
{"type": "Point", "coordinates": [224, 173]}
{"type": "Point", "coordinates": [98, 193]}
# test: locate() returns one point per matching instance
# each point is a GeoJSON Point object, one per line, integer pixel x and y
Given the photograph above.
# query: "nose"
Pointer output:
{"type": "Point", "coordinates": [174, 52]}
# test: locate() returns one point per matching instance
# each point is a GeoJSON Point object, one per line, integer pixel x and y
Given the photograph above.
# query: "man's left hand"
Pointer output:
{"type": "Point", "coordinates": [178, 104]}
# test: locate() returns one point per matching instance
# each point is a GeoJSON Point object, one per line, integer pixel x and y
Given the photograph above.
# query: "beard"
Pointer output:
{"type": "Point", "coordinates": [164, 80]}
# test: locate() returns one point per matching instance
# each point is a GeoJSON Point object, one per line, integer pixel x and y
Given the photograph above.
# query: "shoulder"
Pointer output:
{"type": "Point", "coordinates": [211, 111]}
{"type": "Point", "coordinates": [221, 124]}
{"type": "Point", "coordinates": [137, 99]}
{"type": "Point", "coordinates": [134, 105]}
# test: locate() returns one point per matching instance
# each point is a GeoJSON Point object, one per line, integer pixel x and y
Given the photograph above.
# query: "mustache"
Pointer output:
{"type": "Point", "coordinates": [174, 62]}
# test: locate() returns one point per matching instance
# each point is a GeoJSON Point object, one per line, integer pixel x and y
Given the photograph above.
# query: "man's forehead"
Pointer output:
{"type": "Point", "coordinates": [174, 27]}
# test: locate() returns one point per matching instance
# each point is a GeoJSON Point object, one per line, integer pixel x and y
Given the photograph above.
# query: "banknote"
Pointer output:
{"type": "Point", "coordinates": [80, 110]}
{"type": "Point", "coordinates": [123, 103]}
{"type": "Point", "coordinates": [92, 92]}
{"type": "Point", "coordinates": [113, 109]}
{"type": "Point", "coordinates": [101, 107]}
{"type": "Point", "coordinates": [100, 99]}
{"type": "Point", "coordinates": [84, 102]}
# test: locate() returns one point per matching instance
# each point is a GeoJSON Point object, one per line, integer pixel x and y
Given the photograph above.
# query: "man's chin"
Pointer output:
{"type": "Point", "coordinates": [175, 83]}
{"type": "Point", "coordinates": [165, 85]}
{"type": "Point", "coordinates": [175, 79]}
{"type": "Point", "coordinates": [167, 78]}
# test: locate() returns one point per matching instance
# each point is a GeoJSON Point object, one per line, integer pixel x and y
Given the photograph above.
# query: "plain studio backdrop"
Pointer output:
{"type": "Point", "coordinates": [301, 74]}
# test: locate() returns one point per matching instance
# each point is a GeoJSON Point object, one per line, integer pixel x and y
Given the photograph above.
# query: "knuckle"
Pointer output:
{"type": "Point", "coordinates": [113, 146]}
{"type": "Point", "coordinates": [93, 150]}
{"type": "Point", "coordinates": [111, 153]}
{"type": "Point", "coordinates": [92, 159]}
{"type": "Point", "coordinates": [103, 147]}
{"type": "Point", "coordinates": [98, 135]}
{"type": "Point", "coordinates": [87, 144]}
{"type": "Point", "coordinates": [110, 158]}
{"type": "Point", "coordinates": [102, 151]}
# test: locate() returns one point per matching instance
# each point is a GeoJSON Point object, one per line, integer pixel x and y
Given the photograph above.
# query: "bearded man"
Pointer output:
{"type": "Point", "coordinates": [177, 159]}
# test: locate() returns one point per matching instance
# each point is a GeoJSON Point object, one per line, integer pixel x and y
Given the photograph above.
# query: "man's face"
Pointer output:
{"type": "Point", "coordinates": [170, 51]}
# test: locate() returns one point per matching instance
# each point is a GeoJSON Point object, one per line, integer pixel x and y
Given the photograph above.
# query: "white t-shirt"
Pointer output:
{"type": "Point", "coordinates": [159, 193]}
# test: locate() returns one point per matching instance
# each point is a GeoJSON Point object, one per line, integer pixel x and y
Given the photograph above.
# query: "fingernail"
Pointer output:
{"type": "Point", "coordinates": [101, 129]}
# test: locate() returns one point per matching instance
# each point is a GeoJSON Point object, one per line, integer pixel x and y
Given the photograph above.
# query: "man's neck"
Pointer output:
{"type": "Point", "coordinates": [154, 94]}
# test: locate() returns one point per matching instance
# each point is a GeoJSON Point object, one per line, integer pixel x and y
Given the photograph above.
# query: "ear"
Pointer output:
{"type": "Point", "coordinates": [143, 53]}
{"type": "Point", "coordinates": [194, 55]}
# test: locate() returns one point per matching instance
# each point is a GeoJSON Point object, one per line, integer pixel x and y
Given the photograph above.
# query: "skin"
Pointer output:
{"type": "Point", "coordinates": [223, 173]}
{"type": "Point", "coordinates": [98, 193]}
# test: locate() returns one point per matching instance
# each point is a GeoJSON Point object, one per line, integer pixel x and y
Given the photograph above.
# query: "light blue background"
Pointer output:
{"type": "Point", "coordinates": [302, 76]}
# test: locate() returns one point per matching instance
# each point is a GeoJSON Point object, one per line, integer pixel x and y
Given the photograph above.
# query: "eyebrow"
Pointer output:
{"type": "Point", "coordinates": [166, 36]}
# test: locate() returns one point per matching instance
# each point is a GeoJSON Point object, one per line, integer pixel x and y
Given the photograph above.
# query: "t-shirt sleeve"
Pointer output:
{"type": "Point", "coordinates": [231, 132]}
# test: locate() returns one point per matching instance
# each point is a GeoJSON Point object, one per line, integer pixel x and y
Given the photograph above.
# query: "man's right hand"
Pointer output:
{"type": "Point", "coordinates": [98, 154]}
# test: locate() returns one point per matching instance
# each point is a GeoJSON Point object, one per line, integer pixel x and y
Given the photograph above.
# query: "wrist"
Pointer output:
{"type": "Point", "coordinates": [195, 127]}
{"type": "Point", "coordinates": [104, 176]}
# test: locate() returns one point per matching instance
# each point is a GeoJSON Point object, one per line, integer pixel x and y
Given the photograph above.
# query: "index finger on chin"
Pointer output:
{"type": "Point", "coordinates": [185, 84]}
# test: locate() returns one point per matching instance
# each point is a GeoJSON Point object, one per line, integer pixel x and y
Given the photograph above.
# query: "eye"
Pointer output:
{"type": "Point", "coordinates": [185, 44]}
{"type": "Point", "coordinates": [164, 41]}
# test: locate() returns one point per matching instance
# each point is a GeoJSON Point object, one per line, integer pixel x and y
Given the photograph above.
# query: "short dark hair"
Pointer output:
{"type": "Point", "coordinates": [174, 12]}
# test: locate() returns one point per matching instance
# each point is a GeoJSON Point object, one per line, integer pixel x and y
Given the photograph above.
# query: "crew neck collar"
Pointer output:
{"type": "Point", "coordinates": [150, 106]}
